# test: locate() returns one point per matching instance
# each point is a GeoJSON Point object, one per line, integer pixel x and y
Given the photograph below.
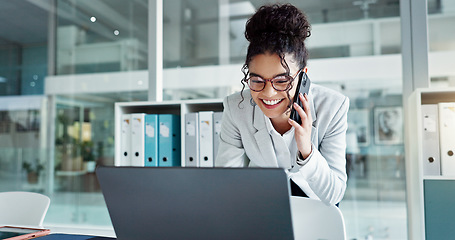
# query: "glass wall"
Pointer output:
{"type": "Point", "coordinates": [23, 159]}
{"type": "Point", "coordinates": [101, 47]}
{"type": "Point", "coordinates": [23, 48]}
{"type": "Point", "coordinates": [441, 44]}
{"type": "Point", "coordinates": [101, 36]}
{"type": "Point", "coordinates": [23, 113]}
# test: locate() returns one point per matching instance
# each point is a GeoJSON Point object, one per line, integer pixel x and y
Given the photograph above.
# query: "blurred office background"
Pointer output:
{"type": "Point", "coordinates": [64, 63]}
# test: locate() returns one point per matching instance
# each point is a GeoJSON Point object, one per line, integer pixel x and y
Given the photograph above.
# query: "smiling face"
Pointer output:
{"type": "Point", "coordinates": [273, 103]}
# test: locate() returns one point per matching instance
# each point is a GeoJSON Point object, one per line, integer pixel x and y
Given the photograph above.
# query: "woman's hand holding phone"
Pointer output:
{"type": "Point", "coordinates": [303, 132]}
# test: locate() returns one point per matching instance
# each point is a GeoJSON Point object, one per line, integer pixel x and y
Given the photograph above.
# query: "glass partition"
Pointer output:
{"type": "Point", "coordinates": [198, 34]}
{"type": "Point", "coordinates": [374, 205]}
{"type": "Point", "coordinates": [23, 48]}
{"type": "Point", "coordinates": [79, 146]}
{"type": "Point", "coordinates": [84, 139]}
{"type": "Point", "coordinates": [99, 40]}
{"type": "Point", "coordinates": [23, 169]}
{"type": "Point", "coordinates": [101, 36]}
{"type": "Point", "coordinates": [441, 17]}
{"type": "Point", "coordinates": [24, 164]}
{"type": "Point", "coordinates": [201, 32]}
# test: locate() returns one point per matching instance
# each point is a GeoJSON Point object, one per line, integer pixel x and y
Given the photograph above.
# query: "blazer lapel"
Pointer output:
{"type": "Point", "coordinates": [263, 140]}
{"type": "Point", "coordinates": [313, 115]}
{"type": "Point", "coordinates": [313, 136]}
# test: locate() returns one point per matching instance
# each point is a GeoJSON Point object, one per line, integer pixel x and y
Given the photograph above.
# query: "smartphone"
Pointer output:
{"type": "Point", "coordinates": [302, 87]}
{"type": "Point", "coordinates": [21, 233]}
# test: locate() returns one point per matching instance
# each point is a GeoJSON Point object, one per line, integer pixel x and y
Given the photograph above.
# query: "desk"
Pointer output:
{"type": "Point", "coordinates": [61, 236]}
{"type": "Point", "coordinates": [74, 233]}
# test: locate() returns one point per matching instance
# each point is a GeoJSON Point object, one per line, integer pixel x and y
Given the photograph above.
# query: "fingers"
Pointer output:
{"type": "Point", "coordinates": [293, 123]}
{"type": "Point", "coordinates": [306, 106]}
{"type": "Point", "coordinates": [300, 111]}
{"type": "Point", "coordinates": [303, 131]}
{"type": "Point", "coordinates": [304, 113]}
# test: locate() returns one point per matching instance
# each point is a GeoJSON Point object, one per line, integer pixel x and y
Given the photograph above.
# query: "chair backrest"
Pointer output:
{"type": "Point", "coordinates": [23, 208]}
{"type": "Point", "coordinates": [313, 219]}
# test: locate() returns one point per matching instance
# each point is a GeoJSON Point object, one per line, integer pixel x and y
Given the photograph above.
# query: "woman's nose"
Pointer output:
{"type": "Point", "coordinates": [268, 90]}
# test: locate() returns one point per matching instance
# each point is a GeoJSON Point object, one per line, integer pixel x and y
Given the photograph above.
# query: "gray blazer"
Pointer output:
{"type": "Point", "coordinates": [245, 141]}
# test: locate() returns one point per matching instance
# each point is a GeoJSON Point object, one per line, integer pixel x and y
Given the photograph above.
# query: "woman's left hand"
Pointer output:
{"type": "Point", "coordinates": [303, 131]}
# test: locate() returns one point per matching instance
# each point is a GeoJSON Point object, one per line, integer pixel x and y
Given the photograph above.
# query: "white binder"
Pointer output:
{"type": "Point", "coordinates": [125, 140]}
{"type": "Point", "coordinates": [138, 139]}
{"type": "Point", "coordinates": [217, 117]}
{"type": "Point", "coordinates": [206, 139]}
{"type": "Point", "coordinates": [447, 138]}
{"type": "Point", "coordinates": [192, 139]}
{"type": "Point", "coordinates": [151, 140]}
{"type": "Point", "coordinates": [430, 141]}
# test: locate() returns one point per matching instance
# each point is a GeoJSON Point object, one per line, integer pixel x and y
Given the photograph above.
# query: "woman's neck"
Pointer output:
{"type": "Point", "coordinates": [281, 125]}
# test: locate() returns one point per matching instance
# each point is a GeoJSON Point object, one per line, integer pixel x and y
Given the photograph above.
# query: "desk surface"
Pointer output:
{"type": "Point", "coordinates": [73, 233]}
{"type": "Point", "coordinates": [60, 236]}
{"type": "Point", "coordinates": [82, 230]}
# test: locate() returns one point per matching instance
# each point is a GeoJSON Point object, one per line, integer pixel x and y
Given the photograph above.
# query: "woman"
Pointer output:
{"type": "Point", "coordinates": [256, 128]}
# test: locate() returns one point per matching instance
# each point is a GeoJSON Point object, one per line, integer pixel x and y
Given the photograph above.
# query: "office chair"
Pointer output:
{"type": "Point", "coordinates": [23, 208]}
{"type": "Point", "coordinates": [313, 219]}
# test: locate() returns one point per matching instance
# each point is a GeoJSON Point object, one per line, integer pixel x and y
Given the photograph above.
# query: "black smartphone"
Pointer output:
{"type": "Point", "coordinates": [302, 87]}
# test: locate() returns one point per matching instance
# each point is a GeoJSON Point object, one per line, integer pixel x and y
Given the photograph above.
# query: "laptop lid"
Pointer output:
{"type": "Point", "coordinates": [197, 203]}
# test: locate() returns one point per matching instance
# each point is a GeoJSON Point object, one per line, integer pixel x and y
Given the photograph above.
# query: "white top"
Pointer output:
{"type": "Point", "coordinates": [287, 158]}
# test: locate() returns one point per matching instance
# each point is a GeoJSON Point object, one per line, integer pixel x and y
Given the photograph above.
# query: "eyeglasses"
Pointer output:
{"type": "Point", "coordinates": [279, 83]}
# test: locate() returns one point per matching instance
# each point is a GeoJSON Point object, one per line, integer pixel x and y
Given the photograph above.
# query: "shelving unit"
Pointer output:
{"type": "Point", "coordinates": [429, 197]}
{"type": "Point", "coordinates": [169, 107]}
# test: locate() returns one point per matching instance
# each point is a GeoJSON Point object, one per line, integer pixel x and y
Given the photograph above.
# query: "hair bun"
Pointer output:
{"type": "Point", "coordinates": [278, 22]}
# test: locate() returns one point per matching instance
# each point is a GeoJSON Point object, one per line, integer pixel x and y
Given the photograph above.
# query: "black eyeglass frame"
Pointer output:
{"type": "Point", "coordinates": [290, 79]}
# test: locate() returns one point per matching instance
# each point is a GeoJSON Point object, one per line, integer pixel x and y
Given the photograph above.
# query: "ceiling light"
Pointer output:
{"type": "Point", "coordinates": [116, 32]}
{"type": "Point", "coordinates": [93, 19]}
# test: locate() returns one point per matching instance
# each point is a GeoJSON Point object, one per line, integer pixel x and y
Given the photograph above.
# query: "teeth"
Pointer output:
{"type": "Point", "coordinates": [271, 102]}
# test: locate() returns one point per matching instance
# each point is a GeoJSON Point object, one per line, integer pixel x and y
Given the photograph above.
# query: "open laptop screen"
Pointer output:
{"type": "Point", "coordinates": [197, 203]}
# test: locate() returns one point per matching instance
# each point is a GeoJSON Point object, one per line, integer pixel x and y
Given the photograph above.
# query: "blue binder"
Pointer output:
{"type": "Point", "coordinates": [151, 140]}
{"type": "Point", "coordinates": [169, 140]}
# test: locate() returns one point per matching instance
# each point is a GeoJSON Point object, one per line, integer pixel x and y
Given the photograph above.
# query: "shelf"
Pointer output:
{"type": "Point", "coordinates": [418, 185]}
{"type": "Point", "coordinates": [167, 107]}
{"type": "Point", "coordinates": [438, 177]}
{"type": "Point", "coordinates": [437, 95]}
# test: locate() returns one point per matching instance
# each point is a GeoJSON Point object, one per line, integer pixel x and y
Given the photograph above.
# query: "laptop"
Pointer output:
{"type": "Point", "coordinates": [197, 203]}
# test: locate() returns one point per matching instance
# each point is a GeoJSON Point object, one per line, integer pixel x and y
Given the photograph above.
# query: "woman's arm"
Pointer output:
{"type": "Point", "coordinates": [325, 170]}
{"type": "Point", "coordinates": [230, 151]}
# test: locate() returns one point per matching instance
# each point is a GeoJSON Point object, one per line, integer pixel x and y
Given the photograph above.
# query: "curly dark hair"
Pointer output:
{"type": "Point", "coordinates": [277, 29]}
